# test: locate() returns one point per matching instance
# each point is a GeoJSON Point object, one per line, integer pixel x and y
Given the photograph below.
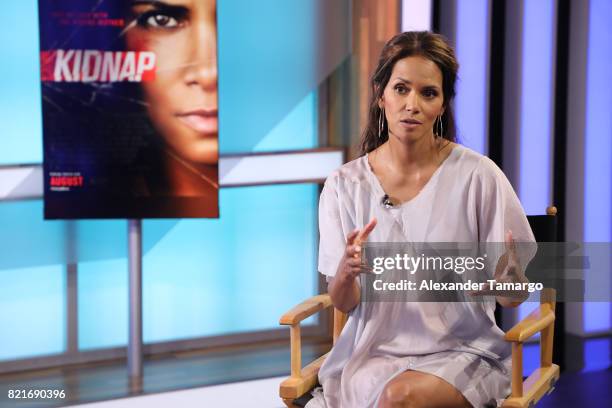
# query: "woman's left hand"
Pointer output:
{"type": "Point", "coordinates": [508, 270]}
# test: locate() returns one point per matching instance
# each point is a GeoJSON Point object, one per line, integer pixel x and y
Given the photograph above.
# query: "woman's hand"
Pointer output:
{"type": "Point", "coordinates": [508, 270]}
{"type": "Point", "coordinates": [343, 288]}
{"type": "Point", "coordinates": [351, 265]}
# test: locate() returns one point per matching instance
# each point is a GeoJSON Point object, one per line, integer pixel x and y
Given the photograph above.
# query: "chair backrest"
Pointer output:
{"type": "Point", "coordinates": [544, 227]}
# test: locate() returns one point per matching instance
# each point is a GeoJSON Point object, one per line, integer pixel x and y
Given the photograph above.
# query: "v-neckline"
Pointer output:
{"type": "Point", "coordinates": [421, 192]}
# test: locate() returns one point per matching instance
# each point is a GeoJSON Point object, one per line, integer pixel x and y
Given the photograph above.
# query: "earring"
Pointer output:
{"type": "Point", "coordinates": [381, 122]}
{"type": "Point", "coordinates": [438, 127]}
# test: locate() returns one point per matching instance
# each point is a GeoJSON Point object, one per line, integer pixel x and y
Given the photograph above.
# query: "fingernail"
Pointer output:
{"type": "Point", "coordinates": [357, 248]}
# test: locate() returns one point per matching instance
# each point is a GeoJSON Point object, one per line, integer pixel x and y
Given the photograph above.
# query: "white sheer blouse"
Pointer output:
{"type": "Point", "coordinates": [468, 199]}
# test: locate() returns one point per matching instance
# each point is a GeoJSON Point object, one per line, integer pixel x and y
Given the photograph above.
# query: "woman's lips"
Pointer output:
{"type": "Point", "coordinates": [201, 120]}
{"type": "Point", "coordinates": [410, 123]}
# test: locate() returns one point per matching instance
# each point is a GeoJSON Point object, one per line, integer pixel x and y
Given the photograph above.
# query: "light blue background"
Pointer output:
{"type": "Point", "coordinates": [201, 277]}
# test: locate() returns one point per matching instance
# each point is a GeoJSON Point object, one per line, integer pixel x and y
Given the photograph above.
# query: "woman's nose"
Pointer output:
{"type": "Point", "coordinates": [412, 102]}
{"type": "Point", "coordinates": [202, 69]}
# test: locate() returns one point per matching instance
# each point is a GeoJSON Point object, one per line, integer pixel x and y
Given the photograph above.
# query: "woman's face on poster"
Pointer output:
{"type": "Point", "coordinates": [182, 99]}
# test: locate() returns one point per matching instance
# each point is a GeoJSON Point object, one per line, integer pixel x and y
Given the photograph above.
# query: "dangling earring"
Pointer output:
{"type": "Point", "coordinates": [438, 127]}
{"type": "Point", "coordinates": [381, 122]}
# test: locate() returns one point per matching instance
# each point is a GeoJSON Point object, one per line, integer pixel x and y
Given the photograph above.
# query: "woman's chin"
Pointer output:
{"type": "Point", "coordinates": [200, 152]}
{"type": "Point", "coordinates": [411, 137]}
{"type": "Point", "coordinates": [204, 159]}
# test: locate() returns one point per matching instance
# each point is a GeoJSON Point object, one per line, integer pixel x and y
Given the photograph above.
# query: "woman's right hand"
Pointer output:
{"type": "Point", "coordinates": [343, 288]}
{"type": "Point", "coordinates": [350, 265]}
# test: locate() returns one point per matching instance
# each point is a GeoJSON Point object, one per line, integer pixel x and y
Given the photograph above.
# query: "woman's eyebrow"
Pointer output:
{"type": "Point", "coordinates": [148, 2]}
{"type": "Point", "coordinates": [432, 86]}
{"type": "Point", "coordinates": [404, 80]}
{"type": "Point", "coordinates": [158, 5]}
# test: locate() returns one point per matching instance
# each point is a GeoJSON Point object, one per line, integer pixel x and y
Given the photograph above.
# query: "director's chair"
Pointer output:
{"type": "Point", "coordinates": [295, 389]}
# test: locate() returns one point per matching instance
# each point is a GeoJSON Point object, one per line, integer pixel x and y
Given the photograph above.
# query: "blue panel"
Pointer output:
{"type": "Point", "coordinates": [27, 239]}
{"type": "Point", "coordinates": [60, 242]}
{"type": "Point", "coordinates": [32, 293]}
{"type": "Point", "coordinates": [20, 105]}
{"type": "Point", "coordinates": [536, 104]}
{"type": "Point", "coordinates": [297, 130]}
{"type": "Point", "coordinates": [270, 61]}
{"type": "Point", "coordinates": [597, 354]}
{"type": "Point", "coordinates": [32, 311]}
{"type": "Point", "coordinates": [524, 309]}
{"type": "Point", "coordinates": [107, 239]}
{"type": "Point", "coordinates": [238, 273]}
{"type": "Point", "coordinates": [597, 317]}
{"type": "Point", "coordinates": [536, 107]}
{"type": "Point", "coordinates": [472, 91]}
{"type": "Point", "coordinates": [531, 358]}
{"type": "Point", "coordinates": [598, 139]}
{"type": "Point", "coordinates": [211, 277]}
{"type": "Point", "coordinates": [102, 304]}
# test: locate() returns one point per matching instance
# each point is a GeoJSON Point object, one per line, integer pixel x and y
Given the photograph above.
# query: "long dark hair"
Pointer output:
{"type": "Point", "coordinates": [429, 45]}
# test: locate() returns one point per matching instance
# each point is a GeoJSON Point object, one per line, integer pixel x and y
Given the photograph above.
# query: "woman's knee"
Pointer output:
{"type": "Point", "coordinates": [400, 395]}
{"type": "Point", "coordinates": [419, 390]}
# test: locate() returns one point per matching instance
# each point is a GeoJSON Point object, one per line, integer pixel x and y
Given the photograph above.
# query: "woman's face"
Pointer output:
{"type": "Point", "coordinates": [182, 100]}
{"type": "Point", "coordinates": [413, 99]}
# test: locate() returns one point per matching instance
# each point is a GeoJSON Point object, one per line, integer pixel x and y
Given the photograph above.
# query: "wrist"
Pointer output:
{"type": "Point", "coordinates": [345, 279]}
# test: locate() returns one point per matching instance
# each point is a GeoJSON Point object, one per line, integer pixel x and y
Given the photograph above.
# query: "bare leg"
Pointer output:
{"type": "Point", "coordinates": [415, 389]}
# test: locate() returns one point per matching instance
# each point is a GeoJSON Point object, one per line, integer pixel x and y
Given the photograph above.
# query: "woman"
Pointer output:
{"type": "Point", "coordinates": [182, 99]}
{"type": "Point", "coordinates": [415, 184]}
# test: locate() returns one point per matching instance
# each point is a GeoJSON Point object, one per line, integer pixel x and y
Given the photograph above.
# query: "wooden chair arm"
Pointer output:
{"type": "Point", "coordinates": [305, 309]}
{"type": "Point", "coordinates": [536, 321]}
{"type": "Point", "coordinates": [528, 393]}
{"type": "Point", "coordinates": [295, 387]}
{"type": "Point", "coordinates": [304, 379]}
{"type": "Point", "coordinates": [540, 382]}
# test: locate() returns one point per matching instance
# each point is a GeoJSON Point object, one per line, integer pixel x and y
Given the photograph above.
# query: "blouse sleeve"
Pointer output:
{"type": "Point", "coordinates": [498, 210]}
{"type": "Point", "coordinates": [332, 241]}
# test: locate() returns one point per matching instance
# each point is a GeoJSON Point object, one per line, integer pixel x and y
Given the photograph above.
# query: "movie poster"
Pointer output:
{"type": "Point", "coordinates": [130, 120]}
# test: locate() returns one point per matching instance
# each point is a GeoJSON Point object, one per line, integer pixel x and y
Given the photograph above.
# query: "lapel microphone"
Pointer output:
{"type": "Point", "coordinates": [386, 201]}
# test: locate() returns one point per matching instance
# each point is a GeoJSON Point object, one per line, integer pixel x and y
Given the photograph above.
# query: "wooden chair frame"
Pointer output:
{"type": "Point", "coordinates": [525, 394]}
